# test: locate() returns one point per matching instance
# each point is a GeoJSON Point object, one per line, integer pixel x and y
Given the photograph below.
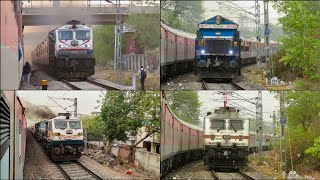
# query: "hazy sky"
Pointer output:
{"type": "Point", "coordinates": [212, 9]}
{"type": "Point", "coordinates": [87, 100]}
{"type": "Point", "coordinates": [211, 100]}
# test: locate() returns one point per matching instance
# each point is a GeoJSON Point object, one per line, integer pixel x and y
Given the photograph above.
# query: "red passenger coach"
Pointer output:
{"type": "Point", "coordinates": [181, 142]}
{"type": "Point", "coordinates": [13, 136]}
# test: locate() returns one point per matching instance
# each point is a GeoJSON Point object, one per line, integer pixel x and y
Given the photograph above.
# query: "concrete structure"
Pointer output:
{"type": "Point", "coordinates": [151, 143]}
{"type": "Point", "coordinates": [11, 36]}
{"type": "Point", "coordinates": [149, 161]}
{"type": "Point", "coordinates": [55, 15]}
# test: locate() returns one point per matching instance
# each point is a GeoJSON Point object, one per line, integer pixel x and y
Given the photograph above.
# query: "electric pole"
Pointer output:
{"type": "Point", "coordinates": [283, 122]}
{"type": "Point", "coordinates": [118, 60]}
{"type": "Point", "coordinates": [257, 14]}
{"type": "Point", "coordinates": [267, 33]}
{"type": "Point", "coordinates": [259, 122]}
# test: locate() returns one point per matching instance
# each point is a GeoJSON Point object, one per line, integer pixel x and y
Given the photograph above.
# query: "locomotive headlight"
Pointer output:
{"type": "Point", "coordinates": [230, 52]}
{"type": "Point", "coordinates": [202, 51]}
{"type": "Point", "coordinates": [241, 153]}
{"type": "Point", "coordinates": [88, 45]}
{"type": "Point", "coordinates": [61, 46]}
{"type": "Point", "coordinates": [80, 134]}
{"type": "Point", "coordinates": [226, 137]}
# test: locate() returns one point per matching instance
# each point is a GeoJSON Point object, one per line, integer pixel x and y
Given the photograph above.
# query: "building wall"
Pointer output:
{"type": "Point", "coordinates": [11, 30]}
{"type": "Point", "coordinates": [149, 161]}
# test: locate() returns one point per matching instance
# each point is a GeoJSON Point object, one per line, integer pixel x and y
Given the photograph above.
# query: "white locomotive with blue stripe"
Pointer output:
{"type": "Point", "coordinates": [62, 137]}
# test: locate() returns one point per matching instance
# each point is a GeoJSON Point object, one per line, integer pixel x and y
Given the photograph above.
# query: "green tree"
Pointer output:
{"type": "Point", "coordinates": [103, 46]}
{"type": "Point", "coordinates": [93, 127]}
{"type": "Point", "coordinates": [315, 149]}
{"type": "Point", "coordinates": [185, 104]}
{"type": "Point", "coordinates": [123, 113]}
{"type": "Point", "coordinates": [301, 42]}
{"type": "Point", "coordinates": [183, 15]}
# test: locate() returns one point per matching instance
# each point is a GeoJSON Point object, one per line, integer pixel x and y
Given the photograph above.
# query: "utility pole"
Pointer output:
{"type": "Point", "coordinates": [283, 122]}
{"type": "Point", "coordinates": [257, 14]}
{"type": "Point", "coordinates": [118, 33]}
{"type": "Point", "coordinates": [267, 33]}
{"type": "Point", "coordinates": [259, 123]}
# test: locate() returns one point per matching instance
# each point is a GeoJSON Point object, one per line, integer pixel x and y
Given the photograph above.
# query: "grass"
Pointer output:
{"type": "Point", "coordinates": [152, 81]}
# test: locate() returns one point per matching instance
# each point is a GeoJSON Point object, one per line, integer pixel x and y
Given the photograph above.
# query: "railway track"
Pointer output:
{"type": "Point", "coordinates": [75, 170]}
{"type": "Point", "coordinates": [231, 175]}
{"type": "Point", "coordinates": [218, 86]}
{"type": "Point", "coordinates": [88, 84]}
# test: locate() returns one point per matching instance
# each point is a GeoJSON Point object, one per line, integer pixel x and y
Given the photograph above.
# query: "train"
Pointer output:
{"type": "Point", "coordinates": [228, 139]}
{"type": "Point", "coordinates": [66, 52]}
{"type": "Point", "coordinates": [180, 142]}
{"type": "Point", "coordinates": [223, 143]}
{"type": "Point", "coordinates": [13, 126]}
{"type": "Point", "coordinates": [216, 51]}
{"type": "Point", "coordinates": [61, 137]}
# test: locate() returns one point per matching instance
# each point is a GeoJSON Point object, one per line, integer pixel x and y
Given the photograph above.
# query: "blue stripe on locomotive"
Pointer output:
{"type": "Point", "coordinates": [217, 32]}
{"type": "Point", "coordinates": [68, 141]}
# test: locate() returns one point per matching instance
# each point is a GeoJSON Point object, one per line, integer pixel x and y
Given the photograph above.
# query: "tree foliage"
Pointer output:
{"type": "Point", "coordinates": [103, 46]}
{"type": "Point", "coordinates": [147, 31]}
{"type": "Point", "coordinates": [185, 104]}
{"type": "Point", "coordinates": [124, 112]}
{"type": "Point", "coordinates": [183, 15]}
{"type": "Point", "coordinates": [301, 42]}
{"type": "Point", "coordinates": [94, 127]}
{"type": "Point", "coordinates": [302, 111]}
{"type": "Point", "coordinates": [315, 149]}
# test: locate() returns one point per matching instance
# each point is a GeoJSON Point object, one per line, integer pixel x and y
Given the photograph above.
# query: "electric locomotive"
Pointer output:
{"type": "Point", "coordinates": [67, 52]}
{"type": "Point", "coordinates": [217, 49]}
{"type": "Point", "coordinates": [226, 139]}
{"type": "Point", "coordinates": [62, 137]}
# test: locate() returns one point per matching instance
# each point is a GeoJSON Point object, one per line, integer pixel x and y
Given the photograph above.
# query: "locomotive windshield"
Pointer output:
{"type": "Point", "coordinates": [62, 124]}
{"type": "Point", "coordinates": [236, 125]}
{"type": "Point", "coordinates": [217, 46]}
{"type": "Point", "coordinates": [217, 124]}
{"type": "Point", "coordinates": [83, 35]}
{"type": "Point", "coordinates": [65, 35]}
{"type": "Point", "coordinates": [75, 124]}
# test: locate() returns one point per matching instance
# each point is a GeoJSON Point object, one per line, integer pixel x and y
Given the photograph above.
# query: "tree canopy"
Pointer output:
{"type": "Point", "coordinates": [183, 15]}
{"type": "Point", "coordinates": [185, 104]}
{"type": "Point", "coordinates": [123, 113]}
{"type": "Point", "coordinates": [301, 42]}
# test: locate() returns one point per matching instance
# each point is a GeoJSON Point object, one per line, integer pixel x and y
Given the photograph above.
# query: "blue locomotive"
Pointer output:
{"type": "Point", "coordinates": [217, 49]}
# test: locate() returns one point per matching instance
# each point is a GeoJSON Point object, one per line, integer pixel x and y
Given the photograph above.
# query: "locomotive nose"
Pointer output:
{"type": "Point", "coordinates": [74, 43]}
{"type": "Point", "coordinates": [233, 64]}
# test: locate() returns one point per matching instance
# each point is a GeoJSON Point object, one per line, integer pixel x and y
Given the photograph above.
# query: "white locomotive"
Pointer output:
{"type": "Point", "coordinates": [62, 137]}
{"type": "Point", "coordinates": [67, 52]}
{"type": "Point", "coordinates": [228, 139]}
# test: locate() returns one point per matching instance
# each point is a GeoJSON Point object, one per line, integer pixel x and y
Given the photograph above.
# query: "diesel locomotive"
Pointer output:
{"type": "Point", "coordinates": [61, 137]}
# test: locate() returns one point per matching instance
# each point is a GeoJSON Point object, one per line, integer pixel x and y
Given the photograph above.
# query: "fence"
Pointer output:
{"type": "Point", "coordinates": [134, 61]}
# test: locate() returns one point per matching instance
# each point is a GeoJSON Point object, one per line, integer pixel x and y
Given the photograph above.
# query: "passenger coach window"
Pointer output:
{"type": "Point", "coordinates": [60, 124]}
{"type": "Point", "coordinates": [217, 124]}
{"type": "Point", "coordinates": [74, 125]}
{"type": "Point", "coordinates": [236, 125]}
{"type": "Point", "coordinates": [65, 35]}
{"type": "Point", "coordinates": [83, 35]}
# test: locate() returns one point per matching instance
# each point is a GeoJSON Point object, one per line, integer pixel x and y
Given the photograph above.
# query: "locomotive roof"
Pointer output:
{"type": "Point", "coordinates": [65, 118]}
{"type": "Point", "coordinates": [179, 32]}
{"type": "Point", "coordinates": [226, 113]}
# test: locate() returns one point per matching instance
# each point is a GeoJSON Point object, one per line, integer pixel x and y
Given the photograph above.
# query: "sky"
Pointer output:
{"type": "Point", "coordinates": [87, 100]}
{"type": "Point", "coordinates": [212, 9]}
{"type": "Point", "coordinates": [211, 100]}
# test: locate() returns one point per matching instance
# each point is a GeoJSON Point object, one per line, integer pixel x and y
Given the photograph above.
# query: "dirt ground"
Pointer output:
{"type": "Point", "coordinates": [152, 81]}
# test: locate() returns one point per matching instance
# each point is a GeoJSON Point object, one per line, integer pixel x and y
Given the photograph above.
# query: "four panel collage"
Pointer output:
{"type": "Point", "coordinates": [150, 89]}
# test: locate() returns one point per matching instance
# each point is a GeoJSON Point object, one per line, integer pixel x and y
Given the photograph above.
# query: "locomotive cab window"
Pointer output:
{"type": "Point", "coordinates": [74, 124]}
{"type": "Point", "coordinates": [217, 124]}
{"type": "Point", "coordinates": [60, 124]}
{"type": "Point", "coordinates": [83, 35]}
{"type": "Point", "coordinates": [65, 35]}
{"type": "Point", "coordinates": [236, 125]}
